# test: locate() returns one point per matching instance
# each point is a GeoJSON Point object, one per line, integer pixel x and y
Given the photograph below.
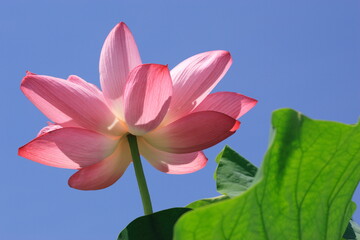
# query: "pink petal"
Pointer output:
{"type": "Point", "coordinates": [71, 148]}
{"type": "Point", "coordinates": [194, 78]}
{"type": "Point", "coordinates": [30, 73]}
{"type": "Point", "coordinates": [119, 56]}
{"type": "Point", "coordinates": [193, 132]}
{"type": "Point", "coordinates": [232, 104]}
{"type": "Point", "coordinates": [104, 173]}
{"type": "Point", "coordinates": [50, 111]}
{"type": "Point", "coordinates": [91, 87]}
{"type": "Point", "coordinates": [147, 97]}
{"type": "Point", "coordinates": [62, 101]}
{"type": "Point", "coordinates": [170, 162]}
{"type": "Point", "coordinates": [50, 127]}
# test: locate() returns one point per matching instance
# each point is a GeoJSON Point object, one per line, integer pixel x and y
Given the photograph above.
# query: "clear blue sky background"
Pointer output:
{"type": "Point", "coordinates": [299, 54]}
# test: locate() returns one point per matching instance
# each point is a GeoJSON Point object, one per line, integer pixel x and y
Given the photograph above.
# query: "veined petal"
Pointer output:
{"type": "Point", "coordinates": [119, 56]}
{"type": "Point", "coordinates": [51, 112]}
{"type": "Point", "coordinates": [232, 104]}
{"type": "Point", "coordinates": [91, 87]}
{"type": "Point", "coordinates": [57, 98]}
{"type": "Point", "coordinates": [104, 173]}
{"type": "Point", "coordinates": [147, 97]}
{"type": "Point", "coordinates": [194, 132]}
{"type": "Point", "coordinates": [71, 148]}
{"type": "Point", "coordinates": [170, 162]}
{"type": "Point", "coordinates": [194, 78]}
{"type": "Point", "coordinates": [50, 127]}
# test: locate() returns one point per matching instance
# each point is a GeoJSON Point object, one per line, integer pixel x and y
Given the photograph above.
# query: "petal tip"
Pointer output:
{"type": "Point", "coordinates": [74, 182]}
{"type": "Point", "coordinates": [121, 26]}
{"type": "Point", "coordinates": [235, 127]}
{"type": "Point", "coordinates": [226, 56]}
{"type": "Point", "coordinates": [155, 65]}
{"type": "Point", "coordinates": [21, 151]}
{"type": "Point", "coordinates": [26, 79]}
{"type": "Point", "coordinates": [192, 168]}
{"type": "Point", "coordinates": [252, 102]}
{"type": "Point", "coordinates": [222, 53]}
{"type": "Point", "coordinates": [72, 77]}
{"type": "Point", "coordinates": [29, 73]}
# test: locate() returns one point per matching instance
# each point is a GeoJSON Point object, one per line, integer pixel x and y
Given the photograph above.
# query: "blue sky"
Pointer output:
{"type": "Point", "coordinates": [298, 54]}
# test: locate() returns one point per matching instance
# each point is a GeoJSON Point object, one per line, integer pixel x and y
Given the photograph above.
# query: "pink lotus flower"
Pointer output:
{"type": "Point", "coordinates": [172, 114]}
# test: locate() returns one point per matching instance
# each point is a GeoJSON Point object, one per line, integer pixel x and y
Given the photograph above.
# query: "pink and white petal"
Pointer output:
{"type": "Point", "coordinates": [53, 113]}
{"type": "Point", "coordinates": [119, 56]}
{"type": "Point", "coordinates": [46, 108]}
{"type": "Point", "coordinates": [170, 162]}
{"type": "Point", "coordinates": [104, 173]}
{"type": "Point", "coordinates": [194, 78]}
{"type": "Point", "coordinates": [89, 86]}
{"type": "Point", "coordinates": [194, 132]}
{"type": "Point", "coordinates": [63, 101]}
{"type": "Point", "coordinates": [71, 148]}
{"type": "Point", "coordinates": [147, 97]}
{"type": "Point", "coordinates": [50, 127]}
{"type": "Point", "coordinates": [232, 104]}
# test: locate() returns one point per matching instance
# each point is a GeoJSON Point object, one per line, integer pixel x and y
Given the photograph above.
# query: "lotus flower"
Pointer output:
{"type": "Point", "coordinates": [172, 114]}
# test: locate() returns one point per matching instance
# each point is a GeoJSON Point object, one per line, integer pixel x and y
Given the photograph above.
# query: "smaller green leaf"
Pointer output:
{"type": "Point", "coordinates": [234, 173]}
{"type": "Point", "coordinates": [207, 201]}
{"type": "Point", "coordinates": [156, 226]}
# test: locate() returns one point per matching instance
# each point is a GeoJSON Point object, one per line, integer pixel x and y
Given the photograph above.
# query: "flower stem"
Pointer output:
{"type": "Point", "coordinates": [139, 172]}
